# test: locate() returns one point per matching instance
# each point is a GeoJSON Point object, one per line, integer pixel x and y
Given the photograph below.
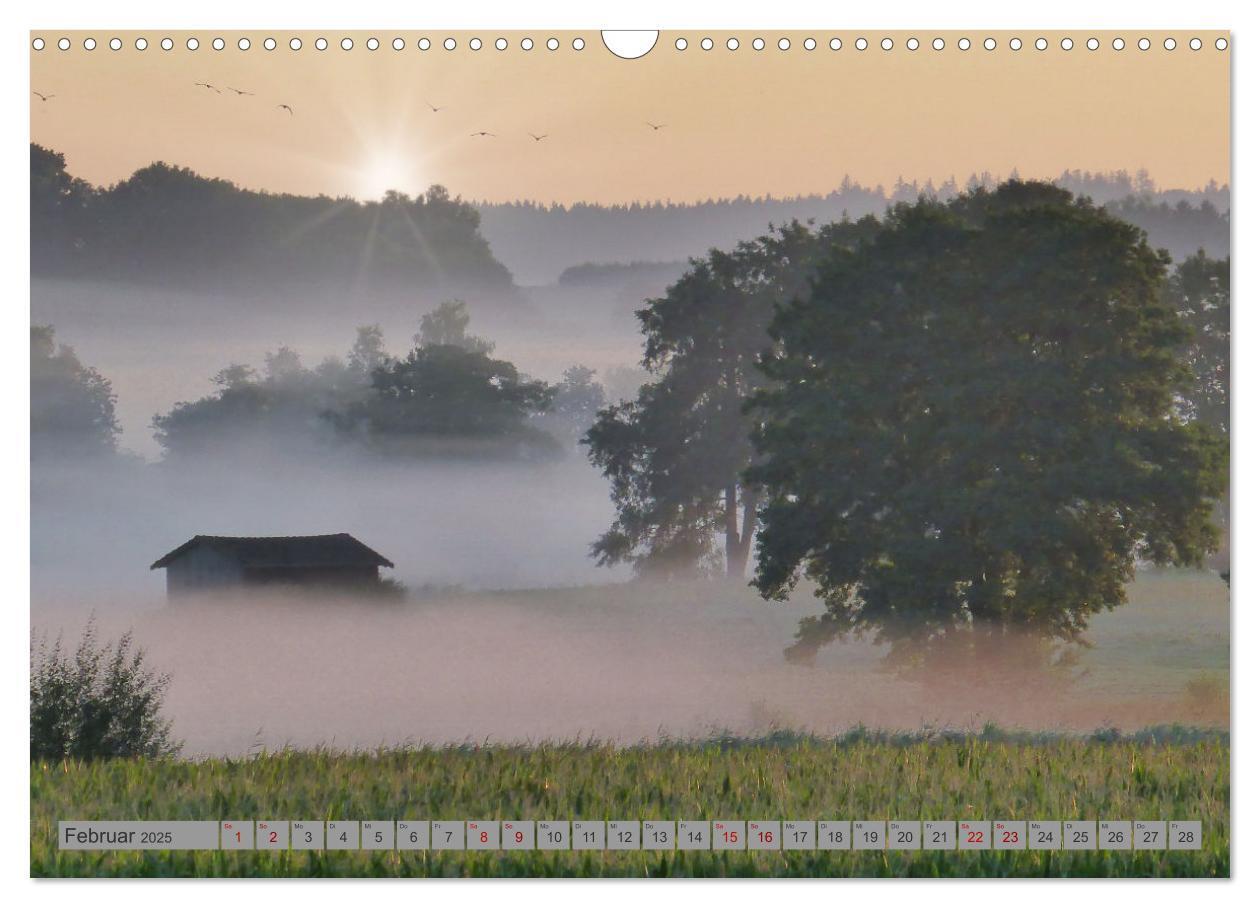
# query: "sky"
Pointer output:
{"type": "Point", "coordinates": [745, 121]}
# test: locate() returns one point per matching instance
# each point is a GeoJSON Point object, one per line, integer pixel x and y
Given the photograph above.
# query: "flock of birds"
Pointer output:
{"type": "Point", "coordinates": [481, 133]}
{"type": "Point", "coordinates": [238, 92]}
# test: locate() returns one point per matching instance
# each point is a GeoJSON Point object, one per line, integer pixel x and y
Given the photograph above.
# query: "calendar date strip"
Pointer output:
{"type": "Point", "coordinates": [631, 835]}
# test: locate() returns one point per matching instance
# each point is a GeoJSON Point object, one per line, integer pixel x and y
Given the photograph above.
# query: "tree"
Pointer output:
{"type": "Point", "coordinates": [235, 376]}
{"type": "Point", "coordinates": [288, 406]}
{"type": "Point", "coordinates": [677, 454]}
{"type": "Point", "coordinates": [368, 353]}
{"type": "Point", "coordinates": [446, 397]}
{"type": "Point", "coordinates": [971, 425]}
{"type": "Point", "coordinates": [447, 325]}
{"type": "Point", "coordinates": [449, 397]}
{"type": "Point", "coordinates": [443, 398]}
{"type": "Point", "coordinates": [59, 205]}
{"type": "Point", "coordinates": [1199, 290]}
{"type": "Point", "coordinates": [166, 223]}
{"type": "Point", "coordinates": [578, 399]}
{"type": "Point", "coordinates": [101, 702]}
{"type": "Point", "coordinates": [283, 364]}
{"type": "Point", "coordinates": [72, 405]}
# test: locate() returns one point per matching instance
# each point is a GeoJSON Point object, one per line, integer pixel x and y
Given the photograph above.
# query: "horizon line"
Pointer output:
{"type": "Point", "coordinates": [929, 186]}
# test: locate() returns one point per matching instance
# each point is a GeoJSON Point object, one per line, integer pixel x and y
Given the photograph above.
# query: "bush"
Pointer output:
{"type": "Point", "coordinates": [101, 702]}
{"type": "Point", "coordinates": [1207, 697]}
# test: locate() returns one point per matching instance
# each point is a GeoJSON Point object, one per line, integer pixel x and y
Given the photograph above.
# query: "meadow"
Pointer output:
{"type": "Point", "coordinates": [1165, 773]}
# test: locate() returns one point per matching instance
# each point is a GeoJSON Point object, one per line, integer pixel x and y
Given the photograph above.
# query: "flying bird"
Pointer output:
{"type": "Point", "coordinates": [482, 133]}
{"type": "Point", "coordinates": [285, 107]}
{"type": "Point", "coordinates": [432, 107]}
{"type": "Point", "coordinates": [207, 85]}
{"type": "Point", "coordinates": [43, 97]}
{"type": "Point", "coordinates": [538, 138]}
{"type": "Point", "coordinates": [655, 126]}
{"type": "Point", "coordinates": [239, 92]}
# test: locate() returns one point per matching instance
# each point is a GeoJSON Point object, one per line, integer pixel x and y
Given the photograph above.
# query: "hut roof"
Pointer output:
{"type": "Point", "coordinates": [334, 550]}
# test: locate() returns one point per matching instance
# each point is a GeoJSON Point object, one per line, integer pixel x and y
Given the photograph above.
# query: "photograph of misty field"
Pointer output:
{"type": "Point", "coordinates": [646, 472]}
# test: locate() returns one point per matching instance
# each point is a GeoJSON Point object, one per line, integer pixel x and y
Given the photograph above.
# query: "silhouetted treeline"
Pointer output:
{"type": "Point", "coordinates": [610, 288]}
{"type": "Point", "coordinates": [446, 397]}
{"type": "Point", "coordinates": [538, 242]}
{"type": "Point", "coordinates": [1183, 227]}
{"type": "Point", "coordinates": [602, 273]}
{"type": "Point", "coordinates": [168, 225]}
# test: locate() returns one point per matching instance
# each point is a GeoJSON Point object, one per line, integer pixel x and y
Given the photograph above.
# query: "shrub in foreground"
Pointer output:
{"type": "Point", "coordinates": [100, 701]}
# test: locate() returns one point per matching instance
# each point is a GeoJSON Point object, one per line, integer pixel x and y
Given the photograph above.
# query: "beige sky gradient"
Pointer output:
{"type": "Point", "coordinates": [736, 122]}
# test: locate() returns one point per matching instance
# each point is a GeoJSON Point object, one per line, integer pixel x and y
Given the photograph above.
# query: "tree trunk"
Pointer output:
{"type": "Point", "coordinates": [739, 538]}
{"type": "Point", "coordinates": [733, 566]}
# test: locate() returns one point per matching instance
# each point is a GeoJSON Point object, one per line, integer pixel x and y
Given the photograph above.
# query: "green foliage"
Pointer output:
{"type": "Point", "coordinates": [677, 454]}
{"type": "Point", "coordinates": [368, 353]}
{"type": "Point", "coordinates": [446, 397]}
{"type": "Point", "coordinates": [1199, 290]}
{"type": "Point", "coordinates": [577, 402]}
{"type": "Point", "coordinates": [449, 397]}
{"type": "Point", "coordinates": [59, 205]}
{"type": "Point", "coordinates": [101, 702]}
{"type": "Point", "coordinates": [785, 776]}
{"type": "Point", "coordinates": [973, 424]}
{"type": "Point", "coordinates": [72, 405]}
{"type": "Point", "coordinates": [447, 326]}
{"type": "Point", "coordinates": [284, 409]}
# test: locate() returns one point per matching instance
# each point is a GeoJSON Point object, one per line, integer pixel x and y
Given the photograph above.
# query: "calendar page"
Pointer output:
{"type": "Point", "coordinates": [707, 453]}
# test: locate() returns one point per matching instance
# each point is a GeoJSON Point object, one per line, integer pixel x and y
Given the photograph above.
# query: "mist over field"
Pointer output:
{"type": "Point", "coordinates": [482, 526]}
{"type": "Point", "coordinates": [624, 663]}
{"type": "Point", "coordinates": [510, 630]}
{"type": "Point", "coordinates": [160, 346]}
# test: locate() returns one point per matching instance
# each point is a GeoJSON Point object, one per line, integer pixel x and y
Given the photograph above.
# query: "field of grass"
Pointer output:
{"type": "Point", "coordinates": [1173, 631]}
{"type": "Point", "coordinates": [1162, 774]}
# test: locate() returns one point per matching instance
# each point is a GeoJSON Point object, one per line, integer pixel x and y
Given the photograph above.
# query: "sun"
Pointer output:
{"type": "Point", "coordinates": [383, 171]}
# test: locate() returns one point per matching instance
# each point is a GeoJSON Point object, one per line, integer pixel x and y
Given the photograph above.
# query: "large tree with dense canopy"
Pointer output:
{"type": "Point", "coordinates": [971, 421]}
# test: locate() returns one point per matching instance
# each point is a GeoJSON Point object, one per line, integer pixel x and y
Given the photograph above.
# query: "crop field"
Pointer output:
{"type": "Point", "coordinates": [1167, 773]}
